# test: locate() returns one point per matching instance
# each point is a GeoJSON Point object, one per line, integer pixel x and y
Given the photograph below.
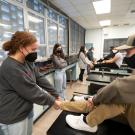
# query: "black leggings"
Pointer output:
{"type": "Point", "coordinates": [109, 65]}
{"type": "Point", "coordinates": [81, 74]}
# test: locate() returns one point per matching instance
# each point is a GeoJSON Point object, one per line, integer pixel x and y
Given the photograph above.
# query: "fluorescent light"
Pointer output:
{"type": "Point", "coordinates": [105, 22]}
{"type": "Point", "coordinates": [102, 6]}
{"type": "Point", "coordinates": [34, 19]}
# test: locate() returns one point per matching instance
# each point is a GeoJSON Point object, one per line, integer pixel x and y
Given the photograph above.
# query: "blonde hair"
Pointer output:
{"type": "Point", "coordinates": [19, 39]}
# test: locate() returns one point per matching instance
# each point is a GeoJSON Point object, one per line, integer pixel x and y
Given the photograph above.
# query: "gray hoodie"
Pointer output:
{"type": "Point", "coordinates": [21, 85]}
{"type": "Point", "coordinates": [58, 62]}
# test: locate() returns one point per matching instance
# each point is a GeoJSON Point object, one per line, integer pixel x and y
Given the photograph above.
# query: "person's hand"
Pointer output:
{"type": "Point", "coordinates": [90, 103]}
{"type": "Point", "coordinates": [57, 104]}
{"type": "Point", "coordinates": [91, 66]}
{"type": "Point", "coordinates": [103, 61]}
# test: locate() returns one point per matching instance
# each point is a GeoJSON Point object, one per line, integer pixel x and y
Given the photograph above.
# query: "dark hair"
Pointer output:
{"type": "Point", "coordinates": [55, 51]}
{"type": "Point", "coordinates": [91, 48]}
{"type": "Point", "coordinates": [19, 39]}
{"type": "Point", "coordinates": [82, 49]}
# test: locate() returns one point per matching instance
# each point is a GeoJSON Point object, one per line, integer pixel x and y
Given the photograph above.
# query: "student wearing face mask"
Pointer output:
{"type": "Point", "coordinates": [83, 63]}
{"type": "Point", "coordinates": [21, 85]}
{"type": "Point", "coordinates": [60, 63]}
{"type": "Point", "coordinates": [115, 62]}
{"type": "Point", "coordinates": [109, 56]}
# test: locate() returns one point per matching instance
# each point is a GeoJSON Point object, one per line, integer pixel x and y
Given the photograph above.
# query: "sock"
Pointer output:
{"type": "Point", "coordinates": [84, 119]}
{"type": "Point", "coordinates": [86, 98]}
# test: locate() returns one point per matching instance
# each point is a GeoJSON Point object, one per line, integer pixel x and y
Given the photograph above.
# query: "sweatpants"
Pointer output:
{"type": "Point", "coordinates": [23, 127]}
{"type": "Point", "coordinates": [60, 83]}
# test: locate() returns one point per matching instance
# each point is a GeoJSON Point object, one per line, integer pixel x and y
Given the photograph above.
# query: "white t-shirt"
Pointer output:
{"type": "Point", "coordinates": [119, 60]}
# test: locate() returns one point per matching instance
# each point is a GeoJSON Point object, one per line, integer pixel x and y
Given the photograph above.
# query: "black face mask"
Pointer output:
{"type": "Point", "coordinates": [59, 51]}
{"type": "Point", "coordinates": [130, 61]}
{"type": "Point", "coordinates": [31, 57]}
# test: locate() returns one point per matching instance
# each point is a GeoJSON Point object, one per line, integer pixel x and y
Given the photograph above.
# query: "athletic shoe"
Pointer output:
{"type": "Point", "coordinates": [76, 122]}
{"type": "Point", "coordinates": [80, 98]}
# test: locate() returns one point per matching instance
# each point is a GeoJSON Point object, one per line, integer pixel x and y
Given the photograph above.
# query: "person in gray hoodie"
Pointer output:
{"type": "Point", "coordinates": [115, 99]}
{"type": "Point", "coordinates": [21, 85]}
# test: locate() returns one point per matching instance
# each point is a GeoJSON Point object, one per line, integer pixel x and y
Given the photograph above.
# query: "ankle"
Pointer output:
{"type": "Point", "coordinates": [84, 119]}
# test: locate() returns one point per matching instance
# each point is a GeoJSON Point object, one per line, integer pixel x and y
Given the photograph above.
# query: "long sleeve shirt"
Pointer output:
{"type": "Point", "coordinates": [83, 61]}
{"type": "Point", "coordinates": [58, 62]}
{"type": "Point", "coordinates": [120, 91]}
{"type": "Point", "coordinates": [21, 85]}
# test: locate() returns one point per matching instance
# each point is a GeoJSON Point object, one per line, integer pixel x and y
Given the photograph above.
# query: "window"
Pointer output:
{"type": "Point", "coordinates": [73, 45]}
{"type": "Point", "coordinates": [52, 33]}
{"type": "Point", "coordinates": [41, 51]}
{"type": "Point", "coordinates": [21, 1]}
{"type": "Point", "coordinates": [63, 36]}
{"type": "Point", "coordinates": [52, 15]}
{"type": "Point", "coordinates": [62, 20]}
{"type": "Point", "coordinates": [55, 33]}
{"type": "Point", "coordinates": [36, 26]}
{"type": "Point", "coordinates": [11, 20]}
{"type": "Point", "coordinates": [50, 51]}
{"type": "Point", "coordinates": [77, 37]}
{"type": "Point", "coordinates": [65, 50]}
{"type": "Point", "coordinates": [36, 6]}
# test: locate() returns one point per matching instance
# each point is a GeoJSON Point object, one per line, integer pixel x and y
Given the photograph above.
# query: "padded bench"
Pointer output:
{"type": "Point", "coordinates": [108, 127]}
{"type": "Point", "coordinates": [101, 79]}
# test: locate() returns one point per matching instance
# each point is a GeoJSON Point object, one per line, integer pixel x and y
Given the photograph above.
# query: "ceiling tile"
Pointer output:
{"type": "Point", "coordinates": [83, 12]}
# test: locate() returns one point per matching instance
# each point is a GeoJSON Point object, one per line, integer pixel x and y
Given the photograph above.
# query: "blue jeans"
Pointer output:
{"type": "Point", "coordinates": [60, 82]}
{"type": "Point", "coordinates": [23, 127]}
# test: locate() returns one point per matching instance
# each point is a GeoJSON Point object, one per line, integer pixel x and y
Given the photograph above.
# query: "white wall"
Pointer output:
{"type": "Point", "coordinates": [118, 32]}
{"type": "Point", "coordinates": [97, 36]}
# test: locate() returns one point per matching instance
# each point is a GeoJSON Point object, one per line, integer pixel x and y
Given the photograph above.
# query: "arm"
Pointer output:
{"type": "Point", "coordinates": [112, 60]}
{"type": "Point", "coordinates": [23, 84]}
{"type": "Point", "coordinates": [109, 56]}
{"type": "Point", "coordinates": [120, 91]}
{"type": "Point", "coordinates": [59, 63]}
{"type": "Point", "coordinates": [44, 83]}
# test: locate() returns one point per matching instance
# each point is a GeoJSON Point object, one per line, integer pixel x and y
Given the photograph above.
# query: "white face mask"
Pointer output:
{"type": "Point", "coordinates": [114, 51]}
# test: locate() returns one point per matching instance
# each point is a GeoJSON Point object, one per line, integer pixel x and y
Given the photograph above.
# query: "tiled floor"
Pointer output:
{"type": "Point", "coordinates": [43, 124]}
